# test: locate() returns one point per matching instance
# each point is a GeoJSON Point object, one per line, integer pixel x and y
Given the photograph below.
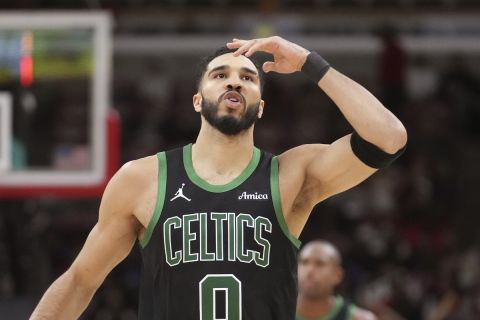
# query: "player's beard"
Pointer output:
{"type": "Point", "coordinates": [314, 295]}
{"type": "Point", "coordinates": [313, 291]}
{"type": "Point", "coordinates": [229, 124]}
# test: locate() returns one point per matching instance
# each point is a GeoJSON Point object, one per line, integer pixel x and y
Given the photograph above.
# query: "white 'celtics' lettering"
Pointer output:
{"type": "Point", "coordinates": [191, 232]}
{"type": "Point", "coordinates": [253, 196]}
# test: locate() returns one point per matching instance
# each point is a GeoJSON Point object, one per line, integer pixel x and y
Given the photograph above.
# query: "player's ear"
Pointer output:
{"type": "Point", "coordinates": [197, 102]}
{"type": "Point", "coordinates": [260, 109]}
{"type": "Point", "coordinates": [339, 275]}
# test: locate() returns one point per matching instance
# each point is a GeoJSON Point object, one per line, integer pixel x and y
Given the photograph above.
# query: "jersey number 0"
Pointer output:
{"type": "Point", "coordinates": [210, 286]}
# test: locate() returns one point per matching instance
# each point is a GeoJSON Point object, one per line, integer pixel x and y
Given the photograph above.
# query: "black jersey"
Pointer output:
{"type": "Point", "coordinates": [218, 252]}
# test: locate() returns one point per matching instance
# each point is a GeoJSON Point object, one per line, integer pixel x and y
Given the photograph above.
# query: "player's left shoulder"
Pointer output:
{"type": "Point", "coordinates": [293, 163]}
{"type": "Point", "coordinates": [362, 314]}
{"type": "Point", "coordinates": [292, 170]}
{"type": "Point", "coordinates": [302, 153]}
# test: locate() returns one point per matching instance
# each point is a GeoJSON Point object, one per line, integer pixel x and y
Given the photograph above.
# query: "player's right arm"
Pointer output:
{"type": "Point", "coordinates": [108, 243]}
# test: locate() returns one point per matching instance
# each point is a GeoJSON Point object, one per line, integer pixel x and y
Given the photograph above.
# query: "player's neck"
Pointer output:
{"type": "Point", "coordinates": [315, 309]}
{"type": "Point", "coordinates": [216, 154]}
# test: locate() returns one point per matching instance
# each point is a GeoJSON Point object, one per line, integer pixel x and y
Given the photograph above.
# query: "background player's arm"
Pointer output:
{"type": "Point", "coordinates": [108, 243]}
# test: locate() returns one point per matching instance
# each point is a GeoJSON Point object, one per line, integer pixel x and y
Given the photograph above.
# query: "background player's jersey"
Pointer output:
{"type": "Point", "coordinates": [342, 310]}
{"type": "Point", "coordinates": [218, 252]}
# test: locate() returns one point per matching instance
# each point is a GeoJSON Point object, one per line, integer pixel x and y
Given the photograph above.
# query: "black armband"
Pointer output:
{"type": "Point", "coordinates": [315, 66]}
{"type": "Point", "coordinates": [372, 155]}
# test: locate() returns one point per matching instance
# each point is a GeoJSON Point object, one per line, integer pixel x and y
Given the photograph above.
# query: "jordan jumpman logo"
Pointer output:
{"type": "Point", "coordinates": [179, 194]}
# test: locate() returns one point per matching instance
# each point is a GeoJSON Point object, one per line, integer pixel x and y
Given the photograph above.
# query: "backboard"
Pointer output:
{"type": "Point", "coordinates": [5, 131]}
{"type": "Point", "coordinates": [55, 124]}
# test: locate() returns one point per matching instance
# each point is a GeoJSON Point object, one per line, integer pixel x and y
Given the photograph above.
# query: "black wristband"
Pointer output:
{"type": "Point", "coordinates": [372, 155]}
{"type": "Point", "coordinates": [315, 66]}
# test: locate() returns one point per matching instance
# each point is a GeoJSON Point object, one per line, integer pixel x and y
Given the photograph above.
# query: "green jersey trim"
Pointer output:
{"type": "Point", "coordinates": [332, 313]}
{"type": "Point", "coordinates": [277, 204]}
{"type": "Point", "coordinates": [161, 189]}
{"type": "Point", "coordinates": [192, 175]}
{"type": "Point", "coordinates": [351, 309]}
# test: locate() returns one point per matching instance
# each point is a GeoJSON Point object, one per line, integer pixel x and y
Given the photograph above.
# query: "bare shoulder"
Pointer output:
{"type": "Point", "coordinates": [296, 191]}
{"type": "Point", "coordinates": [302, 153]}
{"type": "Point", "coordinates": [127, 187]}
{"type": "Point", "coordinates": [140, 171]}
{"type": "Point", "coordinates": [362, 314]}
{"type": "Point", "coordinates": [293, 163]}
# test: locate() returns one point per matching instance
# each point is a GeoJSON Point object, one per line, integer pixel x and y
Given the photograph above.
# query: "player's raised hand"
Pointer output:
{"type": "Point", "coordinates": [288, 57]}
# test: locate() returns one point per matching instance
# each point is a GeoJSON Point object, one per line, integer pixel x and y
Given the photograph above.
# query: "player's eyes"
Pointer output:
{"type": "Point", "coordinates": [249, 78]}
{"type": "Point", "coordinates": [223, 76]}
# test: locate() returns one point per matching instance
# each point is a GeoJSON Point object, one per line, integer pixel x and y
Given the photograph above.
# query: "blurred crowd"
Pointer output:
{"type": "Point", "coordinates": [408, 235]}
{"type": "Point", "coordinates": [122, 4]}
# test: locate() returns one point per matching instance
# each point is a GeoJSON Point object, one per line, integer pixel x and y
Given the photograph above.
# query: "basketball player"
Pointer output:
{"type": "Point", "coordinates": [218, 220]}
{"type": "Point", "coordinates": [319, 272]}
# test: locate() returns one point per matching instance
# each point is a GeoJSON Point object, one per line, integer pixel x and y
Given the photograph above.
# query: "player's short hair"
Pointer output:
{"type": "Point", "coordinates": [221, 51]}
{"type": "Point", "coordinates": [335, 254]}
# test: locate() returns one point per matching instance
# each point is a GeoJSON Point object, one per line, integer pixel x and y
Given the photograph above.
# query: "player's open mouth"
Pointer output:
{"type": "Point", "coordinates": [233, 99]}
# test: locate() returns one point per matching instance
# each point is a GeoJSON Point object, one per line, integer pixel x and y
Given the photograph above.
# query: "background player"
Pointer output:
{"type": "Point", "coordinates": [319, 273]}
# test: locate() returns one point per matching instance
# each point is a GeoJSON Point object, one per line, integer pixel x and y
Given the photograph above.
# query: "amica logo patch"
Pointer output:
{"type": "Point", "coordinates": [253, 196]}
